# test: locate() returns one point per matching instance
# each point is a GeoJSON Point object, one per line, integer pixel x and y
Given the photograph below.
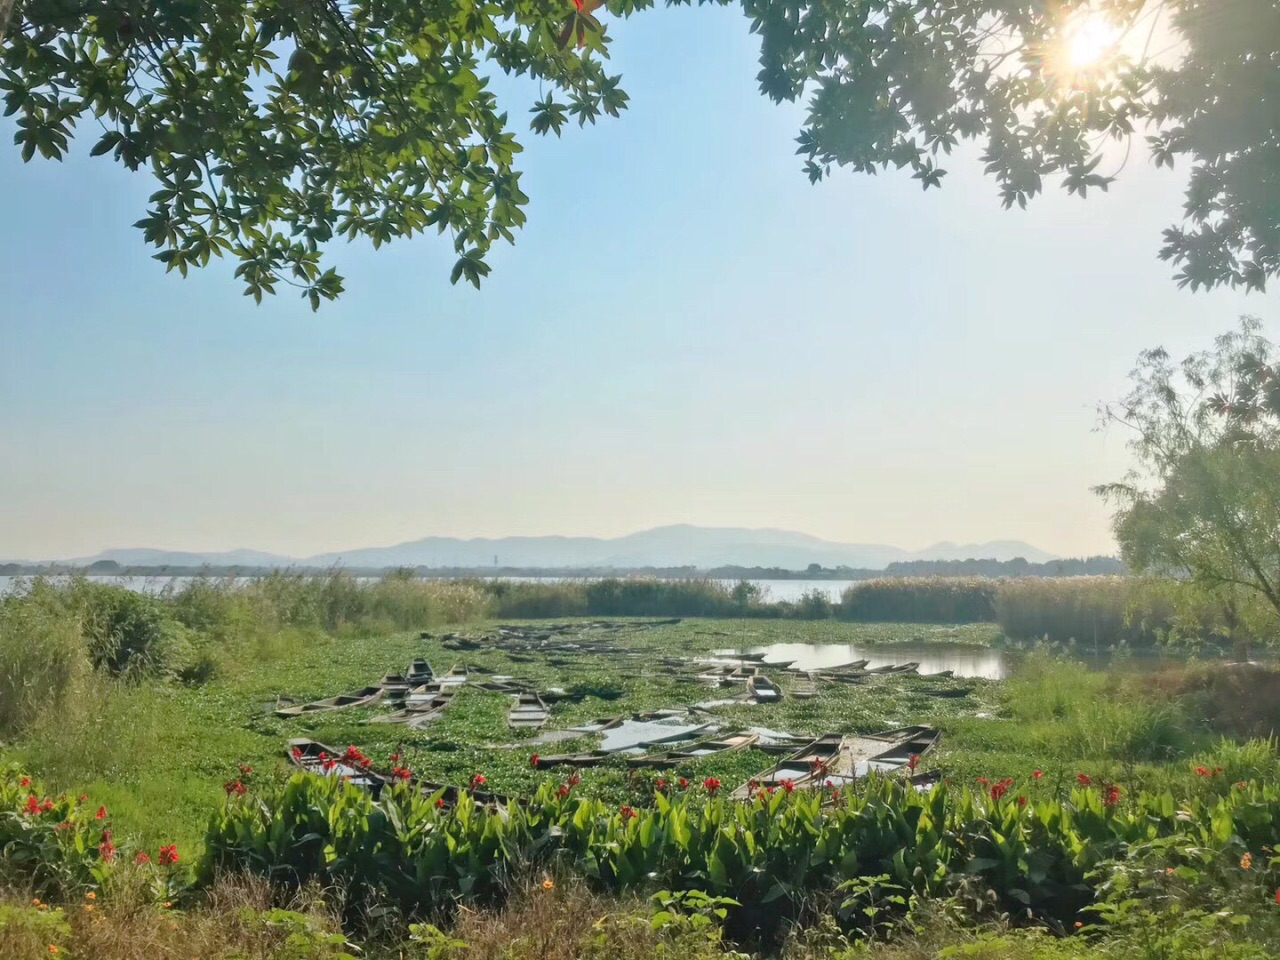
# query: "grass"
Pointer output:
{"type": "Point", "coordinates": [157, 752]}
{"type": "Point", "coordinates": [148, 747]}
{"type": "Point", "coordinates": [164, 747]}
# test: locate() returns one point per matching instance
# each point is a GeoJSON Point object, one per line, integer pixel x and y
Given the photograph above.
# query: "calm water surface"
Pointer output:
{"type": "Point", "coordinates": [932, 657]}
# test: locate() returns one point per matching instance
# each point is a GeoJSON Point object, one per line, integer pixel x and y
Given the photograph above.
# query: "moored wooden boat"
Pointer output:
{"type": "Point", "coordinates": [456, 676]}
{"type": "Point", "coordinates": [318, 758]}
{"type": "Point", "coordinates": [799, 769]}
{"type": "Point", "coordinates": [763, 689]}
{"type": "Point", "coordinates": [695, 751]}
{"type": "Point", "coordinates": [804, 687]}
{"type": "Point", "coordinates": [356, 698]}
{"type": "Point", "coordinates": [528, 713]}
{"type": "Point", "coordinates": [910, 667]}
{"type": "Point", "coordinates": [423, 705]}
{"type": "Point", "coordinates": [419, 672]}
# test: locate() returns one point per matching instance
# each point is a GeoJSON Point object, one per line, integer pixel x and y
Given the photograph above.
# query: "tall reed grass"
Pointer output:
{"type": "Point", "coordinates": [921, 600]}
{"type": "Point", "coordinates": [1092, 611]}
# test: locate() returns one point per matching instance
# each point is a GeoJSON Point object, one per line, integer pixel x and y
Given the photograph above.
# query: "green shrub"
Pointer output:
{"type": "Point", "coordinates": [128, 632]}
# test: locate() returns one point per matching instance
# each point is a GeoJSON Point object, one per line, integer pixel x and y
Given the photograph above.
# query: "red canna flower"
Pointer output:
{"type": "Point", "coordinates": [1037, 774]}
{"type": "Point", "coordinates": [1202, 771]}
{"type": "Point", "coordinates": [1084, 779]}
{"type": "Point", "coordinates": [788, 785]}
{"type": "Point", "coordinates": [47, 805]}
{"type": "Point", "coordinates": [562, 791]}
{"type": "Point", "coordinates": [1022, 801]}
{"type": "Point", "coordinates": [142, 857]}
{"type": "Point", "coordinates": [235, 788]}
{"type": "Point", "coordinates": [913, 761]}
{"type": "Point", "coordinates": [661, 784]}
{"type": "Point", "coordinates": [101, 814]}
{"type": "Point", "coordinates": [684, 783]}
{"type": "Point", "coordinates": [626, 812]}
{"type": "Point", "coordinates": [24, 782]}
{"type": "Point", "coordinates": [168, 855]}
{"type": "Point", "coordinates": [477, 780]}
{"type": "Point", "coordinates": [246, 771]}
{"type": "Point", "coordinates": [574, 780]}
{"type": "Point", "coordinates": [712, 785]}
{"type": "Point", "coordinates": [1111, 796]}
{"type": "Point", "coordinates": [33, 805]}
{"type": "Point", "coordinates": [327, 764]}
{"type": "Point", "coordinates": [1278, 895]}
{"type": "Point", "coordinates": [439, 802]}
{"type": "Point", "coordinates": [296, 753]}
{"type": "Point", "coordinates": [394, 758]}
{"type": "Point", "coordinates": [998, 790]}
{"type": "Point", "coordinates": [107, 849]}
{"type": "Point", "coordinates": [533, 761]}
{"type": "Point", "coordinates": [983, 781]}
{"type": "Point", "coordinates": [1240, 785]}
{"type": "Point", "coordinates": [83, 798]}
{"type": "Point", "coordinates": [401, 773]}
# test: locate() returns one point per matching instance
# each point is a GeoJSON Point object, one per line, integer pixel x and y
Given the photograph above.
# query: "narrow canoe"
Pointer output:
{"type": "Point", "coordinates": [356, 698]}
{"type": "Point", "coordinates": [695, 751]}
{"type": "Point", "coordinates": [528, 713]}
{"type": "Point", "coordinates": [763, 689]}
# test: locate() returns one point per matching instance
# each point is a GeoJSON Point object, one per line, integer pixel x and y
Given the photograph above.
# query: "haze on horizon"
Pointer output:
{"type": "Point", "coordinates": [685, 332]}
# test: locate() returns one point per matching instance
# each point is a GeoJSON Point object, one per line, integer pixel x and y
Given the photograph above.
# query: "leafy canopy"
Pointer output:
{"type": "Point", "coordinates": [1204, 498]}
{"type": "Point", "coordinates": [275, 126]}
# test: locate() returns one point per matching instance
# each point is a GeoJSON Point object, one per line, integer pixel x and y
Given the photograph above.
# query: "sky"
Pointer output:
{"type": "Point", "coordinates": [686, 331]}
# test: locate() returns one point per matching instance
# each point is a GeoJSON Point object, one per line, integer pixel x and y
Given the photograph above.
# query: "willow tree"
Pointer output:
{"type": "Point", "coordinates": [273, 127]}
{"type": "Point", "coordinates": [1203, 500]}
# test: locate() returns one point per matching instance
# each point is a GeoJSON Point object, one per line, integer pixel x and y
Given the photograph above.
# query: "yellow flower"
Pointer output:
{"type": "Point", "coordinates": [35, 902]}
{"type": "Point", "coordinates": [1246, 861]}
{"type": "Point", "coordinates": [88, 908]}
{"type": "Point", "coordinates": [52, 948]}
{"type": "Point", "coordinates": [548, 884]}
{"type": "Point", "coordinates": [91, 895]}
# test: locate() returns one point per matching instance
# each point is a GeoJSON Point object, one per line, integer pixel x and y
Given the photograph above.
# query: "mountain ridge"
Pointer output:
{"type": "Point", "coordinates": [666, 546]}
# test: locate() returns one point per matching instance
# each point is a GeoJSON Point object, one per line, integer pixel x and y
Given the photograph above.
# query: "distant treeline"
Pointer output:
{"type": "Point", "coordinates": [1018, 567]}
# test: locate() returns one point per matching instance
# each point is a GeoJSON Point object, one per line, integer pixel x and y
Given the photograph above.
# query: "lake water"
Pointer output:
{"type": "Point", "coordinates": [932, 657]}
{"type": "Point", "coordinates": [774, 590]}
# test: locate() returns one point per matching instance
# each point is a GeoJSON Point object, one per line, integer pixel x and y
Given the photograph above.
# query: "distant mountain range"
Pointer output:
{"type": "Point", "coordinates": [671, 546]}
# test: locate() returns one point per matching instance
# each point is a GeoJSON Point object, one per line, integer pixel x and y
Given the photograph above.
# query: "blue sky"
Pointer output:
{"type": "Point", "coordinates": [685, 331]}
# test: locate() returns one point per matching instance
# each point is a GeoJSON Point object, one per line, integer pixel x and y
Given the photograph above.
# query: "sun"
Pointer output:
{"type": "Point", "coordinates": [1089, 39]}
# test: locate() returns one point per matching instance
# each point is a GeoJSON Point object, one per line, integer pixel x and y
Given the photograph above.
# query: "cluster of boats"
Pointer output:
{"type": "Point", "coordinates": [830, 761]}
{"type": "Point", "coordinates": [418, 696]}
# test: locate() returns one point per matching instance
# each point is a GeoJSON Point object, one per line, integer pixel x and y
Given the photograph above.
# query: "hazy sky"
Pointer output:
{"type": "Point", "coordinates": [686, 331]}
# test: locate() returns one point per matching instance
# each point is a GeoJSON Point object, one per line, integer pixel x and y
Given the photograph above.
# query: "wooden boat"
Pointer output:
{"type": "Point", "coordinates": [423, 705]}
{"type": "Point", "coordinates": [356, 698]}
{"type": "Point", "coordinates": [853, 666]}
{"type": "Point", "coordinates": [316, 758]}
{"type": "Point", "coordinates": [837, 760]}
{"type": "Point", "coordinates": [949, 692]}
{"type": "Point", "coordinates": [695, 751]}
{"type": "Point", "coordinates": [327, 761]}
{"type": "Point", "coordinates": [800, 768]}
{"type": "Point", "coordinates": [592, 758]}
{"type": "Point", "coordinates": [911, 667]}
{"type": "Point", "coordinates": [456, 676]}
{"type": "Point", "coordinates": [804, 687]}
{"type": "Point", "coordinates": [763, 689]}
{"type": "Point", "coordinates": [419, 672]}
{"type": "Point", "coordinates": [528, 713]}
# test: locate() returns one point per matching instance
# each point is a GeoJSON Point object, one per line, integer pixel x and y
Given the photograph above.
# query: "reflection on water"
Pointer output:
{"type": "Point", "coordinates": [933, 658]}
